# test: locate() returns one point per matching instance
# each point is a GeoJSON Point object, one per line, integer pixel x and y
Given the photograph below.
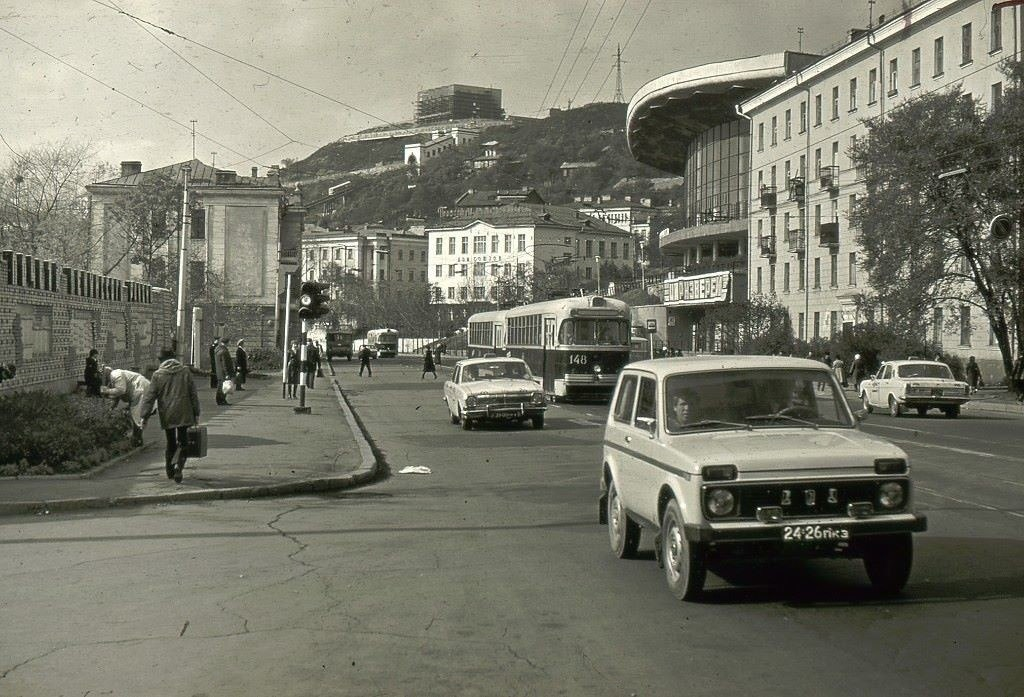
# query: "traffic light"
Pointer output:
{"type": "Point", "coordinates": [1000, 227]}
{"type": "Point", "coordinates": [313, 300]}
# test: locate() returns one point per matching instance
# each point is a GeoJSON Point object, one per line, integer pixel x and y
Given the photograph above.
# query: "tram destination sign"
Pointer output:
{"type": "Point", "coordinates": [704, 289]}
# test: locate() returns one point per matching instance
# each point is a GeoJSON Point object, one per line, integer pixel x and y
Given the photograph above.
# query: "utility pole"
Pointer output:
{"type": "Point", "coordinates": [186, 226]}
{"type": "Point", "coordinates": [618, 98]}
{"type": "Point", "coordinates": [214, 163]}
{"type": "Point", "coordinates": [800, 38]}
{"type": "Point", "coordinates": [193, 122]}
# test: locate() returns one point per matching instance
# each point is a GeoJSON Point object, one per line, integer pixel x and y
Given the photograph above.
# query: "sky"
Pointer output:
{"type": "Point", "coordinates": [317, 70]}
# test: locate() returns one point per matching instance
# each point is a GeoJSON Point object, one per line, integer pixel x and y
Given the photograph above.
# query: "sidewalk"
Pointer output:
{"type": "Point", "coordinates": [258, 446]}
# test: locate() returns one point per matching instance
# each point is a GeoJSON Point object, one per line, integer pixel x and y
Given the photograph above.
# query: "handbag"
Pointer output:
{"type": "Point", "coordinates": [228, 386]}
{"type": "Point", "coordinates": [196, 441]}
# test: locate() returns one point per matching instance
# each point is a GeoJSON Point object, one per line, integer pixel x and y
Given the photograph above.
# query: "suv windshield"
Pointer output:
{"type": "Point", "coordinates": [924, 370]}
{"type": "Point", "coordinates": [754, 398]}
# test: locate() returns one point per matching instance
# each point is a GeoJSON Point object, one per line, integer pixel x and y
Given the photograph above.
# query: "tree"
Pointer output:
{"type": "Point", "coordinates": [925, 238]}
{"type": "Point", "coordinates": [149, 214]}
{"type": "Point", "coordinates": [44, 209]}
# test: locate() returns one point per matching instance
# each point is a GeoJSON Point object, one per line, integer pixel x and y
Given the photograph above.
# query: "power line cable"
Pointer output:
{"type": "Point", "coordinates": [579, 52]}
{"type": "Point", "coordinates": [249, 65]}
{"type": "Point", "coordinates": [600, 48]}
{"type": "Point", "coordinates": [623, 50]}
{"type": "Point", "coordinates": [114, 89]}
{"type": "Point", "coordinates": [562, 59]}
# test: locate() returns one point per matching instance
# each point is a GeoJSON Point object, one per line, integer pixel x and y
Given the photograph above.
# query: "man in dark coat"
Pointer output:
{"type": "Point", "coordinates": [293, 369]}
{"type": "Point", "coordinates": [93, 377]}
{"type": "Point", "coordinates": [364, 361]}
{"type": "Point", "coordinates": [241, 365]}
{"type": "Point", "coordinates": [428, 365]}
{"type": "Point", "coordinates": [973, 371]}
{"type": "Point", "coordinates": [213, 362]}
{"type": "Point", "coordinates": [174, 394]}
{"type": "Point", "coordinates": [312, 362]}
{"type": "Point", "coordinates": [223, 369]}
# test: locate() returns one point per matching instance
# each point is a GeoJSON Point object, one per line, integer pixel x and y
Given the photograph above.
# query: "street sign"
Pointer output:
{"type": "Point", "coordinates": [652, 325]}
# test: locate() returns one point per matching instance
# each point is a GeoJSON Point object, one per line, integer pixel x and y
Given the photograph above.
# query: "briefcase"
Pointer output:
{"type": "Point", "coordinates": [196, 446]}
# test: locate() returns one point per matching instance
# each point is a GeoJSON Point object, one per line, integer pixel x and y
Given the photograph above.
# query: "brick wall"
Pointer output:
{"type": "Point", "coordinates": [52, 315]}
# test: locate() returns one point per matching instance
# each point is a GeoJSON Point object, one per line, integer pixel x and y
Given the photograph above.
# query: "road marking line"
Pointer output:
{"type": "Point", "coordinates": [962, 451]}
{"type": "Point", "coordinates": [585, 422]}
{"type": "Point", "coordinates": [918, 487]}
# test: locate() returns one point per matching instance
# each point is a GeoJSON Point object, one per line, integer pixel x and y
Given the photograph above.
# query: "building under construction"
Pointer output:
{"type": "Point", "coordinates": [453, 102]}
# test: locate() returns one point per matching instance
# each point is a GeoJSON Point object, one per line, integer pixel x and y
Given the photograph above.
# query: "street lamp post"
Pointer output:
{"type": "Point", "coordinates": [597, 260]}
{"type": "Point", "coordinates": [186, 226]}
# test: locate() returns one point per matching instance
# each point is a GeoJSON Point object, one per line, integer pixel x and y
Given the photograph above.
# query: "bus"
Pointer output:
{"type": "Point", "coordinates": [576, 346]}
{"type": "Point", "coordinates": [383, 342]}
{"type": "Point", "coordinates": [339, 342]}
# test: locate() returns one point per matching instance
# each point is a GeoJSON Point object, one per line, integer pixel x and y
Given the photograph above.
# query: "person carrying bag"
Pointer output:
{"type": "Point", "coordinates": [173, 392]}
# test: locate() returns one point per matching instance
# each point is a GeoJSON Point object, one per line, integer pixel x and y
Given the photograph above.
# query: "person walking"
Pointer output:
{"type": "Point", "coordinates": [857, 370]}
{"type": "Point", "coordinates": [126, 386]}
{"type": "Point", "coordinates": [428, 365]}
{"type": "Point", "coordinates": [839, 370]}
{"type": "Point", "coordinates": [293, 369]}
{"type": "Point", "coordinates": [241, 365]}
{"type": "Point", "coordinates": [973, 374]}
{"type": "Point", "coordinates": [173, 392]}
{"type": "Point", "coordinates": [364, 361]}
{"type": "Point", "coordinates": [93, 376]}
{"type": "Point", "coordinates": [213, 363]}
{"type": "Point", "coordinates": [312, 363]}
{"type": "Point", "coordinates": [223, 369]}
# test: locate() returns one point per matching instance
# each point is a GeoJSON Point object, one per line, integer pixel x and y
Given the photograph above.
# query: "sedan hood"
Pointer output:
{"type": "Point", "coordinates": [786, 449]}
{"type": "Point", "coordinates": [500, 386]}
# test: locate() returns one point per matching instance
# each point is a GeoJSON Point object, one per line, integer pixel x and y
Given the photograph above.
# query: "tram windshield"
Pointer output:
{"type": "Point", "coordinates": [594, 332]}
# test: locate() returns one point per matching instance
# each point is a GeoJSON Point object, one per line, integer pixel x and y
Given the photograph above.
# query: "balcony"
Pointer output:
{"type": "Point", "coordinates": [828, 235]}
{"type": "Point", "coordinates": [828, 177]}
{"type": "Point", "coordinates": [769, 198]}
{"type": "Point", "coordinates": [795, 240]}
{"type": "Point", "coordinates": [766, 245]}
{"type": "Point", "coordinates": [796, 189]}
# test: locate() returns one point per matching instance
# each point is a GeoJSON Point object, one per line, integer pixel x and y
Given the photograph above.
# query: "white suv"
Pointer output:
{"type": "Point", "coordinates": [750, 457]}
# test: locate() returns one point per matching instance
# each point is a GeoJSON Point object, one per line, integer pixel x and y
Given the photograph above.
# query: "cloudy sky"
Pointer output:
{"type": "Point", "coordinates": [321, 69]}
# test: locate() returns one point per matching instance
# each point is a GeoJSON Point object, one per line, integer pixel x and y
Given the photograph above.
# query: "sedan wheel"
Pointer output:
{"type": "Point", "coordinates": [684, 564]}
{"type": "Point", "coordinates": [623, 533]}
{"type": "Point", "coordinates": [894, 407]}
{"type": "Point", "coordinates": [466, 423]}
{"type": "Point", "coordinates": [922, 411]}
{"type": "Point", "coordinates": [952, 412]}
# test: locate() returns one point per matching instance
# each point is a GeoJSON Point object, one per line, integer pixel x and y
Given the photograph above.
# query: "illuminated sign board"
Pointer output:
{"type": "Point", "coordinates": [697, 290]}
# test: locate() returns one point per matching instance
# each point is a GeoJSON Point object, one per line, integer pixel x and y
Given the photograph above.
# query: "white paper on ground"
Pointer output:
{"type": "Point", "coordinates": [414, 469]}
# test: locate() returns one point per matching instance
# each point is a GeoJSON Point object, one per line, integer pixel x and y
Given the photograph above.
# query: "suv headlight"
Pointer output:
{"type": "Point", "coordinates": [720, 502]}
{"type": "Point", "coordinates": [471, 401]}
{"type": "Point", "coordinates": [891, 495]}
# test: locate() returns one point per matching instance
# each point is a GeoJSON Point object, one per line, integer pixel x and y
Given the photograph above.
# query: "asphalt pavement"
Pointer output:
{"type": "Point", "coordinates": [258, 446]}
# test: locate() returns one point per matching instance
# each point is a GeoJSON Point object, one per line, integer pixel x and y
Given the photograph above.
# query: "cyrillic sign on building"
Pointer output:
{"type": "Point", "coordinates": [697, 290]}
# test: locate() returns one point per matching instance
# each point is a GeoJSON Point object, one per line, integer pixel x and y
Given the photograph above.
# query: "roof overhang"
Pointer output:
{"type": "Point", "coordinates": [668, 112]}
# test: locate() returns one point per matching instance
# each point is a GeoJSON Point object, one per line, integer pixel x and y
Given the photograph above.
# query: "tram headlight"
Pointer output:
{"type": "Point", "coordinates": [597, 369]}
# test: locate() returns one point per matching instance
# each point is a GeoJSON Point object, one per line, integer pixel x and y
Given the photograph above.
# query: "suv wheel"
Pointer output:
{"type": "Point", "coordinates": [888, 559]}
{"type": "Point", "coordinates": [684, 563]}
{"type": "Point", "coordinates": [623, 533]}
{"type": "Point", "coordinates": [894, 407]}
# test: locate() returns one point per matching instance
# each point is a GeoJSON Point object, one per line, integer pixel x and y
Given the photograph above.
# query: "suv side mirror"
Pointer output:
{"type": "Point", "coordinates": [648, 424]}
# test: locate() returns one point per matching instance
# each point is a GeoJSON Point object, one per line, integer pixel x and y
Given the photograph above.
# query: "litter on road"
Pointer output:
{"type": "Point", "coordinates": [414, 469]}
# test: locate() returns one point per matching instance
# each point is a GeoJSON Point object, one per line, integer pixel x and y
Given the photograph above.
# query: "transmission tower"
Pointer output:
{"type": "Point", "coordinates": [618, 98]}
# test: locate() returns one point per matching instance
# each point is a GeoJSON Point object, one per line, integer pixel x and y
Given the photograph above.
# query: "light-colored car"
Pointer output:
{"type": "Point", "coordinates": [750, 457]}
{"type": "Point", "coordinates": [493, 389]}
{"type": "Point", "coordinates": [920, 385]}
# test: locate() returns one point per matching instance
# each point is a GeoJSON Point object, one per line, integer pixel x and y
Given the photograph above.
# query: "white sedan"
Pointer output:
{"type": "Point", "coordinates": [495, 389]}
{"type": "Point", "coordinates": [920, 385]}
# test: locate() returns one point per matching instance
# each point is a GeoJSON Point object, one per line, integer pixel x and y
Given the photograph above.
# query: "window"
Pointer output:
{"type": "Point", "coordinates": [872, 85]}
{"type": "Point", "coordinates": [785, 221]}
{"type": "Point", "coordinates": [937, 57]}
{"type": "Point", "coordinates": [439, 245]}
{"type": "Point", "coordinates": [615, 250]}
{"type": "Point", "coordinates": [785, 169]}
{"type": "Point", "coordinates": [508, 243]}
{"type": "Point", "coordinates": [937, 326]}
{"type": "Point", "coordinates": [624, 403]}
{"type": "Point", "coordinates": [438, 268]}
{"type": "Point", "coordinates": [463, 293]}
{"type": "Point", "coordinates": [853, 94]}
{"type": "Point", "coordinates": [833, 271]}
{"type": "Point", "coordinates": [451, 293]}
{"type": "Point", "coordinates": [760, 137]}
{"type": "Point", "coordinates": [965, 325]}
{"type": "Point", "coordinates": [478, 292]}
{"type": "Point", "coordinates": [801, 275]}
{"type": "Point", "coordinates": [197, 231]}
{"type": "Point", "coordinates": [452, 269]}
{"type": "Point", "coordinates": [803, 167]}
{"type": "Point", "coordinates": [817, 162]}
{"type": "Point", "coordinates": [771, 278]}
{"type": "Point", "coordinates": [894, 72]}
{"type": "Point", "coordinates": [759, 288]}
{"type": "Point", "coordinates": [625, 250]}
{"type": "Point", "coordinates": [801, 327]}
{"type": "Point", "coordinates": [817, 273]}
{"type": "Point", "coordinates": [479, 268]}
{"type": "Point", "coordinates": [853, 269]}
{"type": "Point", "coordinates": [785, 277]}
{"type": "Point", "coordinates": [465, 245]}
{"type": "Point", "coordinates": [451, 245]}
{"type": "Point", "coordinates": [401, 254]}
{"type": "Point", "coordinates": [788, 133]}
{"type": "Point", "coordinates": [803, 117]}
{"type": "Point", "coordinates": [997, 94]}
{"type": "Point", "coordinates": [646, 403]}
{"type": "Point", "coordinates": [835, 153]}
{"type": "Point", "coordinates": [817, 325]}
{"type": "Point", "coordinates": [588, 272]}
{"type": "Point", "coordinates": [479, 244]}
{"type": "Point", "coordinates": [495, 269]}
{"type": "Point", "coordinates": [197, 275]}
{"type": "Point", "coordinates": [590, 248]}
{"type": "Point", "coordinates": [817, 110]}
{"type": "Point", "coordinates": [915, 67]}
{"type": "Point", "coordinates": [773, 177]}
{"type": "Point", "coordinates": [965, 44]}
{"type": "Point", "coordinates": [995, 41]}
{"type": "Point", "coordinates": [835, 102]}
{"type": "Point", "coordinates": [398, 275]}
{"type": "Point", "coordinates": [423, 256]}
{"type": "Point", "coordinates": [775, 130]}
{"type": "Point", "coordinates": [521, 241]}
{"type": "Point", "coordinates": [494, 244]}
{"type": "Point", "coordinates": [600, 249]}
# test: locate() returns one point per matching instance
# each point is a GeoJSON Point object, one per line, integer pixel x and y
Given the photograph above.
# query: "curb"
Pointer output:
{"type": "Point", "coordinates": [369, 470]}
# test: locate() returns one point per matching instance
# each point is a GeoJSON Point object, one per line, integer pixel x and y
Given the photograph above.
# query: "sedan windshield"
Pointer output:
{"type": "Point", "coordinates": [754, 398]}
{"type": "Point", "coordinates": [496, 371]}
{"type": "Point", "coordinates": [925, 370]}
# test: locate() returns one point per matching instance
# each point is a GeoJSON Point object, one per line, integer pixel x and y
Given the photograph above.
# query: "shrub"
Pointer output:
{"type": "Point", "coordinates": [46, 433]}
{"type": "Point", "coordinates": [264, 358]}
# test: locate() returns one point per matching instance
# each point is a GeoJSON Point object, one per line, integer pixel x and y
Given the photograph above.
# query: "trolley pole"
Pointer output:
{"type": "Point", "coordinates": [284, 346]}
{"type": "Point", "coordinates": [302, 408]}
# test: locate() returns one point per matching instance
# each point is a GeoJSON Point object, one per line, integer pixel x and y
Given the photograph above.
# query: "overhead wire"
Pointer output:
{"type": "Point", "coordinates": [622, 50]}
{"type": "Point", "coordinates": [579, 52]}
{"type": "Point", "coordinates": [600, 48]}
{"type": "Point", "coordinates": [561, 60]}
{"type": "Point", "coordinates": [241, 61]}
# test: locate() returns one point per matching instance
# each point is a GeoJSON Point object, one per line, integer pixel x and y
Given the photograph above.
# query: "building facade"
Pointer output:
{"type": "Point", "coordinates": [441, 141]}
{"type": "Point", "coordinates": [803, 184]}
{"type": "Point", "coordinates": [687, 123]}
{"type": "Point", "coordinates": [376, 255]}
{"type": "Point", "coordinates": [452, 102]}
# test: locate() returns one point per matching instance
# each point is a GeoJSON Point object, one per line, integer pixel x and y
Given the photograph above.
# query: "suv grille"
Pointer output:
{"type": "Point", "coordinates": [805, 499]}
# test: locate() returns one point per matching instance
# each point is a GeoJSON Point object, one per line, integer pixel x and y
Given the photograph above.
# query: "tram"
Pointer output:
{"type": "Point", "coordinates": [383, 342]}
{"type": "Point", "coordinates": [575, 345]}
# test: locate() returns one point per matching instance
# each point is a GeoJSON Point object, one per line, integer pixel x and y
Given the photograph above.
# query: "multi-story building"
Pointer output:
{"type": "Point", "coordinates": [441, 141]}
{"type": "Point", "coordinates": [374, 254]}
{"type": "Point", "coordinates": [687, 123]}
{"type": "Point", "coordinates": [452, 102]}
{"type": "Point", "coordinates": [478, 250]}
{"type": "Point", "coordinates": [803, 183]}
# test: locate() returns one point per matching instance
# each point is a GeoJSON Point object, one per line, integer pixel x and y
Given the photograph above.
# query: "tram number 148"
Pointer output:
{"type": "Point", "coordinates": [578, 359]}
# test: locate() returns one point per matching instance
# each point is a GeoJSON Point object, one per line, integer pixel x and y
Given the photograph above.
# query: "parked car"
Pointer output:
{"type": "Point", "coordinates": [493, 389]}
{"type": "Point", "coordinates": [920, 385]}
{"type": "Point", "coordinates": [750, 457]}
